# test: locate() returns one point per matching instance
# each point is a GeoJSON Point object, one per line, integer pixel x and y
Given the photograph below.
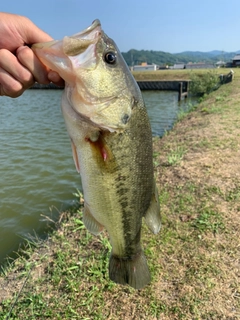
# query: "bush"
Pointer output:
{"type": "Point", "coordinates": [204, 83]}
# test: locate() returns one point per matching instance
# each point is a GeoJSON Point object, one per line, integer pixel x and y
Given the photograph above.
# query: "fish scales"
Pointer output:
{"type": "Point", "coordinates": [132, 177]}
{"type": "Point", "coordinates": [111, 142]}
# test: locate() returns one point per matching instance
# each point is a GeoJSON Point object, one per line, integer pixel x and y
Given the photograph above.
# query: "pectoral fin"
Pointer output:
{"type": "Point", "coordinates": [152, 216]}
{"type": "Point", "coordinates": [90, 222]}
{"type": "Point", "coordinates": [99, 146]}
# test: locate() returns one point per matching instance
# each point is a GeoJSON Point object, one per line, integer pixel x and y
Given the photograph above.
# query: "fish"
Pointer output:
{"type": "Point", "coordinates": [111, 141]}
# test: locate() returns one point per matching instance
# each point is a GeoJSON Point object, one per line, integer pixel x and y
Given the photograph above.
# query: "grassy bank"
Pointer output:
{"type": "Point", "coordinates": [171, 75]}
{"type": "Point", "coordinates": [194, 260]}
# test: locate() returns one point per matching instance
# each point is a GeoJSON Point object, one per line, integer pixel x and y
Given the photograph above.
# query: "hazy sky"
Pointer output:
{"type": "Point", "coordinates": [163, 25]}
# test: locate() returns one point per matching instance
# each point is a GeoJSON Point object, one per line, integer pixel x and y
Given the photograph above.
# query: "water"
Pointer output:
{"type": "Point", "coordinates": [162, 107]}
{"type": "Point", "coordinates": [38, 177]}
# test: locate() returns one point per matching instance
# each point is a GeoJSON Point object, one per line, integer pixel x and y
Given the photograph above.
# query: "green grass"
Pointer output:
{"type": "Point", "coordinates": [75, 283]}
{"type": "Point", "coordinates": [175, 156]}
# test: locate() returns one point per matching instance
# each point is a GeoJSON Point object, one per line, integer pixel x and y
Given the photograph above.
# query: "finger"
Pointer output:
{"type": "Point", "coordinates": [10, 63]}
{"type": "Point", "coordinates": [40, 72]}
{"type": "Point", "coordinates": [14, 76]}
{"type": "Point", "coordinates": [55, 78]}
{"type": "Point", "coordinates": [9, 86]}
{"type": "Point", "coordinates": [29, 60]}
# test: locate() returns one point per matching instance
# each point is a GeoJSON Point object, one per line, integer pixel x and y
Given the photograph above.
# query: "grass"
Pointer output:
{"type": "Point", "coordinates": [194, 261]}
{"type": "Point", "coordinates": [164, 75]}
{"type": "Point", "coordinates": [184, 74]}
{"type": "Point", "coordinates": [175, 156]}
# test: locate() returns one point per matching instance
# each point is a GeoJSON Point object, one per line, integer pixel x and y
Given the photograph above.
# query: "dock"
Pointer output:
{"type": "Point", "coordinates": [181, 86]}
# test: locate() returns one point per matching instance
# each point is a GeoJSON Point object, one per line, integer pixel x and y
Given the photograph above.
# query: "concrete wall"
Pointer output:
{"type": "Point", "coordinates": [161, 85]}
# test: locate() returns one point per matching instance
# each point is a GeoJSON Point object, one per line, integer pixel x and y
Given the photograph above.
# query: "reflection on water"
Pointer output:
{"type": "Point", "coordinates": [38, 177]}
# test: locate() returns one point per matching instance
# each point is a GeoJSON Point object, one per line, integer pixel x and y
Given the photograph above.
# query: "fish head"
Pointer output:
{"type": "Point", "coordinates": [99, 84]}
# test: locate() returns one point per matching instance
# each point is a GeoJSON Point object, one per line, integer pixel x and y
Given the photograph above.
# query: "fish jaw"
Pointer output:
{"type": "Point", "coordinates": [64, 56]}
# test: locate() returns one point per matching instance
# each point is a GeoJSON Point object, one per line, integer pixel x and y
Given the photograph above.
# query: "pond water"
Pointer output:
{"type": "Point", "coordinates": [37, 174]}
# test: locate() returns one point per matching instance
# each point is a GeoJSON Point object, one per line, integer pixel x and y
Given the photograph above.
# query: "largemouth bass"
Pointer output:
{"type": "Point", "coordinates": [111, 142]}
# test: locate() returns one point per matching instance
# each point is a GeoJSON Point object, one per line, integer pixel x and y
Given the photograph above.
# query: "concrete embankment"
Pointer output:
{"type": "Point", "coordinates": [144, 85]}
{"type": "Point", "coordinates": [162, 85]}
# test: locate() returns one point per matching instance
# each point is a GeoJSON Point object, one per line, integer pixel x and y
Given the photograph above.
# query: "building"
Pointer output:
{"type": "Point", "coordinates": [145, 67]}
{"type": "Point", "coordinates": [201, 65]}
{"type": "Point", "coordinates": [236, 61]}
{"type": "Point", "coordinates": [220, 64]}
{"type": "Point", "coordinates": [229, 64]}
{"type": "Point", "coordinates": [177, 66]}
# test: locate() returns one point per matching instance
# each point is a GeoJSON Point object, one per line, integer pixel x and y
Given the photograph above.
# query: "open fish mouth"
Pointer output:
{"type": "Point", "coordinates": [86, 62]}
{"type": "Point", "coordinates": [79, 49]}
{"type": "Point", "coordinates": [84, 33]}
{"type": "Point", "coordinates": [81, 44]}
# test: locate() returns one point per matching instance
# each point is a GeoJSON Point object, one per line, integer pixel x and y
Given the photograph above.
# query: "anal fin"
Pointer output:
{"type": "Point", "coordinates": [152, 216]}
{"type": "Point", "coordinates": [90, 222]}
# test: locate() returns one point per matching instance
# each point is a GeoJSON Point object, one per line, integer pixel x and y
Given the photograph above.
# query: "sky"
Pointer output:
{"type": "Point", "coordinates": [161, 25]}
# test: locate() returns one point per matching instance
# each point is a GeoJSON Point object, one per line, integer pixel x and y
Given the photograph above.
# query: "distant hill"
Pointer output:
{"type": "Point", "coordinates": [199, 53]}
{"type": "Point", "coordinates": [134, 57]}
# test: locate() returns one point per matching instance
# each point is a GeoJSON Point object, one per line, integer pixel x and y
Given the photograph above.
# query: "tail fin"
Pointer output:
{"type": "Point", "coordinates": [133, 272]}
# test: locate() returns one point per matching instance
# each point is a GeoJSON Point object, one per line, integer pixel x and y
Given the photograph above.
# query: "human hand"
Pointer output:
{"type": "Point", "coordinates": [19, 66]}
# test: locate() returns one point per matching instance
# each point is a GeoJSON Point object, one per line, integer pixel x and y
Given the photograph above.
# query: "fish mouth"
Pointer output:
{"type": "Point", "coordinates": [95, 24]}
{"type": "Point", "coordinates": [84, 34]}
{"type": "Point", "coordinates": [76, 51]}
{"type": "Point", "coordinates": [80, 43]}
{"type": "Point", "coordinates": [70, 57]}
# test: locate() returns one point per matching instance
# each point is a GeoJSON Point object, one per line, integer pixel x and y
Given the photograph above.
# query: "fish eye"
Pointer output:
{"type": "Point", "coordinates": [110, 57]}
